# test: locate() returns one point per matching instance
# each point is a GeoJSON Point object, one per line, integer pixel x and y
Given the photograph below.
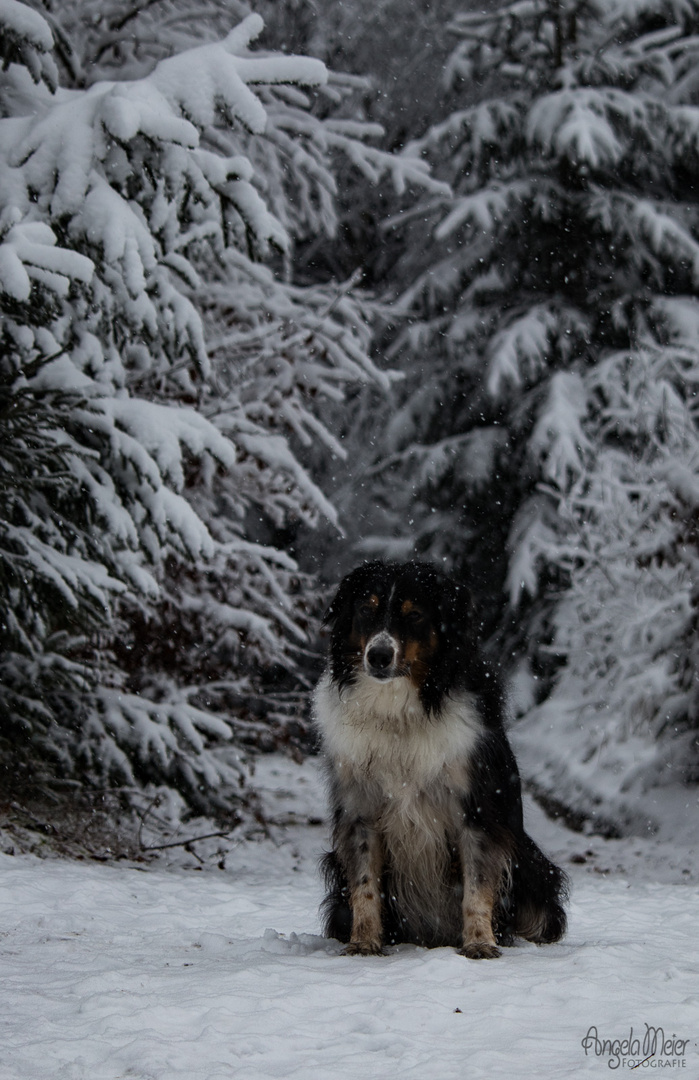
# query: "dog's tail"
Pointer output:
{"type": "Point", "coordinates": [539, 891]}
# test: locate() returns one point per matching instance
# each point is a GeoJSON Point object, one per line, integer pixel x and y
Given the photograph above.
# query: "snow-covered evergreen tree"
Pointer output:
{"type": "Point", "coordinates": [156, 377]}
{"type": "Point", "coordinates": [548, 441]}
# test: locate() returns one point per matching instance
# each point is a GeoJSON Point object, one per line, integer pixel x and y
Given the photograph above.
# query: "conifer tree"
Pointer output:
{"type": "Point", "coordinates": [548, 441]}
{"type": "Point", "coordinates": [157, 381]}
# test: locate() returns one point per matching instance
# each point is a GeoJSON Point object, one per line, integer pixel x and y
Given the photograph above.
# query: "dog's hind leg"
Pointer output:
{"type": "Point", "coordinates": [361, 852]}
{"type": "Point", "coordinates": [483, 868]}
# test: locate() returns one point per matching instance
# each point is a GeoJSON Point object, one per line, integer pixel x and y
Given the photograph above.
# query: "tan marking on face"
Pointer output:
{"type": "Point", "coordinates": [407, 606]}
{"type": "Point", "coordinates": [357, 646]}
{"type": "Point", "coordinates": [416, 655]}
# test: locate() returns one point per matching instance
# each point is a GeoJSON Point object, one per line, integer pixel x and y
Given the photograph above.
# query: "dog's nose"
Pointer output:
{"type": "Point", "coordinates": [380, 658]}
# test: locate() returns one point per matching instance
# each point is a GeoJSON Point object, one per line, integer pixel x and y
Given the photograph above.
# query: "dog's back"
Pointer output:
{"type": "Point", "coordinates": [428, 840]}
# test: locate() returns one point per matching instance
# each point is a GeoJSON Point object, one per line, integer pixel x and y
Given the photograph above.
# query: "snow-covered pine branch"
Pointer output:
{"type": "Point", "coordinates": [26, 40]}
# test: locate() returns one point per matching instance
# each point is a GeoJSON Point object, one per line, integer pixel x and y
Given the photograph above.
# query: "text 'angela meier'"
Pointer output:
{"type": "Point", "coordinates": [652, 1051]}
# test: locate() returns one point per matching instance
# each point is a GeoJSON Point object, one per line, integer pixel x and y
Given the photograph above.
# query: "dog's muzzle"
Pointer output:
{"type": "Point", "coordinates": [380, 656]}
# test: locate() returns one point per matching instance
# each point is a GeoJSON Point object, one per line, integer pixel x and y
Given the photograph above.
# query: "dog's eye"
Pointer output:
{"type": "Point", "coordinates": [415, 617]}
{"type": "Point", "coordinates": [366, 609]}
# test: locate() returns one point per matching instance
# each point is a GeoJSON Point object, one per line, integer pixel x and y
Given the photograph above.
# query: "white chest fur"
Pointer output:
{"type": "Point", "coordinates": [379, 732]}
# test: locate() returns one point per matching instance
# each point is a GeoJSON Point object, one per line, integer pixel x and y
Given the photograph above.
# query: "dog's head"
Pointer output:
{"type": "Point", "coordinates": [403, 620]}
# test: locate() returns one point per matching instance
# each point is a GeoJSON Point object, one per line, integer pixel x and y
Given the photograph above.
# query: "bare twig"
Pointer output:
{"type": "Point", "coordinates": [174, 843]}
{"type": "Point", "coordinates": [182, 843]}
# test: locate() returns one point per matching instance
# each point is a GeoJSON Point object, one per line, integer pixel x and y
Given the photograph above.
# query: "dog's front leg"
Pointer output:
{"type": "Point", "coordinates": [482, 874]}
{"type": "Point", "coordinates": [363, 859]}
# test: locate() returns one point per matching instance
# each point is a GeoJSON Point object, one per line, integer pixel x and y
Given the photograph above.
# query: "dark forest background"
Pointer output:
{"type": "Point", "coordinates": [292, 284]}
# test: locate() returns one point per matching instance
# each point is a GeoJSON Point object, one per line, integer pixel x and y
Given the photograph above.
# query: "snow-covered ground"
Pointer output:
{"type": "Point", "coordinates": [115, 971]}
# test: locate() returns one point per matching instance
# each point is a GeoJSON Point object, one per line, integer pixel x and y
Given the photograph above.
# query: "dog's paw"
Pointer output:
{"type": "Point", "coordinates": [362, 948]}
{"type": "Point", "coordinates": [480, 950]}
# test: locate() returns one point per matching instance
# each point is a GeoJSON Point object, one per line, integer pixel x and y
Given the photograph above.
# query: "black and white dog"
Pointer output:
{"type": "Point", "coordinates": [428, 840]}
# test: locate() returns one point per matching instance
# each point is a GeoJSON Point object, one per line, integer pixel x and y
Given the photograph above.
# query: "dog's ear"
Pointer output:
{"type": "Point", "coordinates": [460, 626]}
{"type": "Point", "coordinates": [457, 610]}
{"type": "Point", "coordinates": [338, 604]}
